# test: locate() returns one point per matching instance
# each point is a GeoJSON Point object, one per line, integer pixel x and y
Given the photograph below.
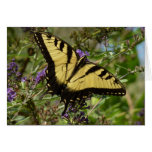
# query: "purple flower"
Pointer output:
{"type": "Point", "coordinates": [80, 118]}
{"type": "Point", "coordinates": [87, 53]}
{"type": "Point", "coordinates": [40, 76]}
{"type": "Point", "coordinates": [66, 115]}
{"type": "Point", "coordinates": [86, 120]}
{"type": "Point", "coordinates": [138, 123]}
{"type": "Point", "coordinates": [81, 53]}
{"type": "Point", "coordinates": [72, 109]}
{"type": "Point", "coordinates": [82, 113]}
{"type": "Point", "coordinates": [18, 74]}
{"type": "Point", "coordinates": [11, 94]}
{"type": "Point", "coordinates": [87, 107]}
{"type": "Point", "coordinates": [23, 79]}
{"type": "Point", "coordinates": [142, 112]}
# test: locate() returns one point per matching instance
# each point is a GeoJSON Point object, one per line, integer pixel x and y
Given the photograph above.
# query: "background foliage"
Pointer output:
{"type": "Point", "coordinates": [120, 50]}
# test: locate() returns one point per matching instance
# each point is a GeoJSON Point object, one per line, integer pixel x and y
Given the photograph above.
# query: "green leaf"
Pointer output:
{"type": "Point", "coordinates": [19, 118]}
{"type": "Point", "coordinates": [94, 100]}
{"type": "Point", "coordinates": [23, 121]}
{"type": "Point", "coordinates": [124, 80]}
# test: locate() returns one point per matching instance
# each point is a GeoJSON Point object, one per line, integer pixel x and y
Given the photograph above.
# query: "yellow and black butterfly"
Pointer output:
{"type": "Point", "coordinates": [72, 77]}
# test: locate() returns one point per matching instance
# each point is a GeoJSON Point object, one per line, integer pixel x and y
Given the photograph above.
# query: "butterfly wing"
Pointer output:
{"type": "Point", "coordinates": [89, 79]}
{"type": "Point", "coordinates": [61, 59]}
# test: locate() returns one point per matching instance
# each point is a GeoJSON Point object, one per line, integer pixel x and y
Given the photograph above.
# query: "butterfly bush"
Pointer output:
{"type": "Point", "coordinates": [22, 89]}
{"type": "Point", "coordinates": [75, 113]}
{"type": "Point", "coordinates": [14, 79]}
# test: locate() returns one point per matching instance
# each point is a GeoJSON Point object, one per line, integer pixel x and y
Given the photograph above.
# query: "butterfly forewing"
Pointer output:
{"type": "Point", "coordinates": [60, 57]}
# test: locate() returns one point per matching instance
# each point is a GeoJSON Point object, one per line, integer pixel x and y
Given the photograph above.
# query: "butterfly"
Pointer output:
{"type": "Point", "coordinates": [72, 77]}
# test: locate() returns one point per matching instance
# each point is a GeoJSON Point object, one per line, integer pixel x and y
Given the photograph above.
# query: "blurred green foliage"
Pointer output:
{"type": "Point", "coordinates": [111, 47]}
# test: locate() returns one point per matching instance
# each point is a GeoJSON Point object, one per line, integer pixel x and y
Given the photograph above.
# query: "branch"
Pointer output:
{"type": "Point", "coordinates": [120, 53]}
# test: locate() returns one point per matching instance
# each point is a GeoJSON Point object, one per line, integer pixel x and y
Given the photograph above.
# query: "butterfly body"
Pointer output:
{"type": "Point", "coordinates": [72, 77]}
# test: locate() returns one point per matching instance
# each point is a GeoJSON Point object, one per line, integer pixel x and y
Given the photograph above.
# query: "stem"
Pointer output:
{"type": "Point", "coordinates": [121, 67]}
{"type": "Point", "coordinates": [117, 55]}
{"type": "Point", "coordinates": [126, 75]}
{"type": "Point", "coordinates": [130, 105]}
{"type": "Point", "coordinates": [94, 106]}
{"type": "Point", "coordinates": [32, 107]}
{"type": "Point", "coordinates": [27, 60]}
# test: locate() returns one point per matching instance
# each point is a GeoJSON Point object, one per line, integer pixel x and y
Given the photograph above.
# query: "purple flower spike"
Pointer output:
{"type": "Point", "coordinates": [11, 94]}
{"type": "Point", "coordinates": [12, 67]}
{"type": "Point", "coordinates": [40, 76]}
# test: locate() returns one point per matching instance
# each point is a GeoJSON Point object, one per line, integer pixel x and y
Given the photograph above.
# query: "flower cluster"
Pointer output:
{"type": "Point", "coordinates": [11, 94]}
{"type": "Point", "coordinates": [75, 114]}
{"type": "Point", "coordinates": [12, 70]}
{"type": "Point", "coordinates": [81, 118]}
{"type": "Point", "coordinates": [13, 80]}
{"type": "Point", "coordinates": [13, 75]}
{"type": "Point", "coordinates": [12, 67]}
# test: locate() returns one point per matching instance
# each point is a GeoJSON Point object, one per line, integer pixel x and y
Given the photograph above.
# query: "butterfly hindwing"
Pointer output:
{"type": "Point", "coordinates": [92, 79]}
